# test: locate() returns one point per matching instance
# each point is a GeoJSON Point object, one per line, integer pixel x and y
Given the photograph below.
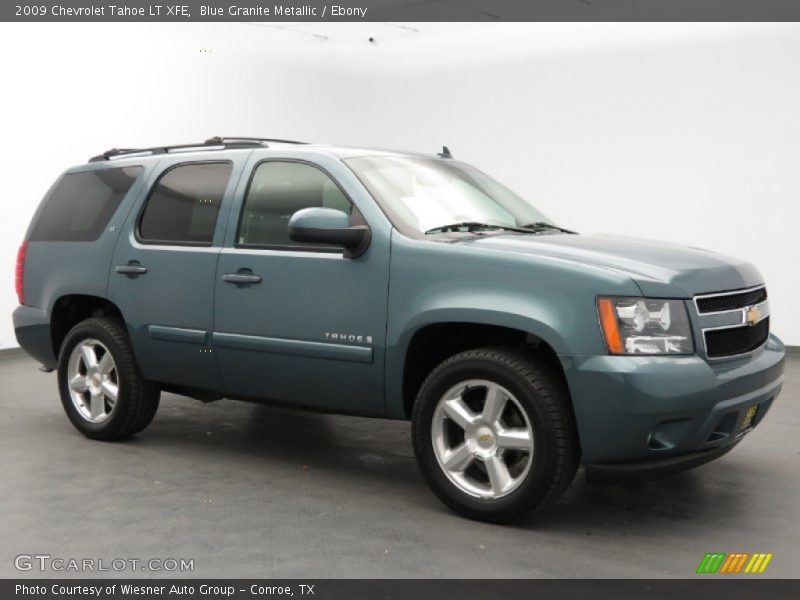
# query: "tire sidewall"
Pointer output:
{"type": "Point", "coordinates": [538, 480]}
{"type": "Point", "coordinates": [79, 333]}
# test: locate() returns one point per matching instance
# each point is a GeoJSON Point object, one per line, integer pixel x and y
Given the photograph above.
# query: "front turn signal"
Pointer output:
{"type": "Point", "coordinates": [610, 325]}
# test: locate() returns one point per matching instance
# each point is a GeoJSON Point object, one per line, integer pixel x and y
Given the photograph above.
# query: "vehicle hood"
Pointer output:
{"type": "Point", "coordinates": [660, 269]}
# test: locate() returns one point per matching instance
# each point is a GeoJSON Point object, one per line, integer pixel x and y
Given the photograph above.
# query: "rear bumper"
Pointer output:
{"type": "Point", "coordinates": [32, 328]}
{"type": "Point", "coordinates": [641, 417]}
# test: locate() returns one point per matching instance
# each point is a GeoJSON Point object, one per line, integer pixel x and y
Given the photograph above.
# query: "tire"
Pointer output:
{"type": "Point", "coordinates": [98, 358]}
{"type": "Point", "coordinates": [535, 405]}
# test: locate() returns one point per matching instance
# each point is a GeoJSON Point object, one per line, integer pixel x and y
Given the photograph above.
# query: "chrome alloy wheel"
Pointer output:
{"type": "Point", "coordinates": [482, 438]}
{"type": "Point", "coordinates": [92, 379]}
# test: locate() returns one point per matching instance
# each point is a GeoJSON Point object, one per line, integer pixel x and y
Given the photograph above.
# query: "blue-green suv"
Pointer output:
{"type": "Point", "coordinates": [392, 285]}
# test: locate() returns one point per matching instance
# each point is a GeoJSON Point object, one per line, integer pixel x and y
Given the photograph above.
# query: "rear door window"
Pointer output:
{"type": "Point", "coordinates": [184, 204]}
{"type": "Point", "coordinates": [81, 204]}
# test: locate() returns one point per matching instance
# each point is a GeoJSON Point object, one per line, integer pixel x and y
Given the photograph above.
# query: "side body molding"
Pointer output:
{"type": "Point", "coordinates": [178, 334]}
{"type": "Point", "coordinates": [293, 347]}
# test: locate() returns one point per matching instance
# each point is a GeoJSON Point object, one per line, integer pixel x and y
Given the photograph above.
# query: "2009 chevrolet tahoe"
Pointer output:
{"type": "Point", "coordinates": [391, 285]}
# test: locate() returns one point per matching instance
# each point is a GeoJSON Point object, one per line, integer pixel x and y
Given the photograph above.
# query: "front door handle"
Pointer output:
{"type": "Point", "coordinates": [241, 277]}
{"type": "Point", "coordinates": [132, 268]}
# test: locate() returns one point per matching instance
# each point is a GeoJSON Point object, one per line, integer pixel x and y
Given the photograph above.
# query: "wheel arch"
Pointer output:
{"type": "Point", "coordinates": [429, 343]}
{"type": "Point", "coordinates": [70, 309]}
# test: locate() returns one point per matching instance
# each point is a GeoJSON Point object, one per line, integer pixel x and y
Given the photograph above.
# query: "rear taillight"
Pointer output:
{"type": "Point", "coordinates": [19, 276]}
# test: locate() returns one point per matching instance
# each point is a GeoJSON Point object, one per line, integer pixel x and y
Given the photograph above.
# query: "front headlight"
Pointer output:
{"type": "Point", "coordinates": [645, 326]}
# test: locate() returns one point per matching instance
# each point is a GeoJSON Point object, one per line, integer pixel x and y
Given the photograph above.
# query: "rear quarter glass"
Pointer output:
{"type": "Point", "coordinates": [81, 204]}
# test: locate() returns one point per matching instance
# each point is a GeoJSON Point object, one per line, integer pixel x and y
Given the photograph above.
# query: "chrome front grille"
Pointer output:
{"type": "Point", "coordinates": [734, 322]}
{"type": "Point", "coordinates": [731, 341]}
{"type": "Point", "coordinates": [713, 303]}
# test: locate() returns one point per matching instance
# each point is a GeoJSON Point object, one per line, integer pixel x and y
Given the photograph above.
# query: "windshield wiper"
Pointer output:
{"type": "Point", "coordinates": [470, 226]}
{"type": "Point", "coordinates": [473, 226]}
{"type": "Point", "coordinates": [543, 225]}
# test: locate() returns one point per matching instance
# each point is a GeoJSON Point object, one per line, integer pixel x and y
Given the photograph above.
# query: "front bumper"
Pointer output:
{"type": "Point", "coordinates": [646, 416]}
{"type": "Point", "coordinates": [643, 471]}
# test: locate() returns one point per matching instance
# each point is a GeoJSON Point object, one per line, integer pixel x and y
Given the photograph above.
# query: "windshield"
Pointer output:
{"type": "Point", "coordinates": [425, 194]}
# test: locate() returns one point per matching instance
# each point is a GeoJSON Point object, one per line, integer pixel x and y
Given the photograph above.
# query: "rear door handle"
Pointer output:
{"type": "Point", "coordinates": [241, 278]}
{"type": "Point", "coordinates": [132, 268]}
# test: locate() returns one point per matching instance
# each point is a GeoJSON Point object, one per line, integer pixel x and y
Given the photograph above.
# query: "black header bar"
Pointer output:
{"type": "Point", "coordinates": [701, 588]}
{"type": "Point", "coordinates": [399, 10]}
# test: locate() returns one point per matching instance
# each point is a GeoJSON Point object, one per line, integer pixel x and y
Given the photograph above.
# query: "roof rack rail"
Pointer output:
{"type": "Point", "coordinates": [214, 143]}
{"type": "Point", "coordinates": [224, 139]}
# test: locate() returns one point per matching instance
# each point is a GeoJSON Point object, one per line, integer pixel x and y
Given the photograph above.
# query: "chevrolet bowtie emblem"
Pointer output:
{"type": "Point", "coordinates": [752, 315]}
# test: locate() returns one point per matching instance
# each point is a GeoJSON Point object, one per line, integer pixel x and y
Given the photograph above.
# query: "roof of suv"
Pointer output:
{"type": "Point", "coordinates": [222, 144]}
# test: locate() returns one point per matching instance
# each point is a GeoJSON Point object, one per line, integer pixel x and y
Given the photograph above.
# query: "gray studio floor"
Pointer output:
{"type": "Point", "coordinates": [248, 490]}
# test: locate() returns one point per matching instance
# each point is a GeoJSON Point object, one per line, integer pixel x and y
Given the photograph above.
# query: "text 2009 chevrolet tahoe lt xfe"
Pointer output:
{"type": "Point", "coordinates": [392, 285]}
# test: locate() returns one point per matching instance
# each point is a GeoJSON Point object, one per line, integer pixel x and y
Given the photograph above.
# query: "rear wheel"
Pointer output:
{"type": "Point", "coordinates": [494, 434]}
{"type": "Point", "coordinates": [102, 390]}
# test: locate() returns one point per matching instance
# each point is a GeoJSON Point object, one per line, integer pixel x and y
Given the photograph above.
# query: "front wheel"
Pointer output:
{"type": "Point", "coordinates": [102, 389]}
{"type": "Point", "coordinates": [494, 434]}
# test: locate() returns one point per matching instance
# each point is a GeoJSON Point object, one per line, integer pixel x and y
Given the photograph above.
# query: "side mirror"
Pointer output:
{"type": "Point", "coordinates": [329, 226]}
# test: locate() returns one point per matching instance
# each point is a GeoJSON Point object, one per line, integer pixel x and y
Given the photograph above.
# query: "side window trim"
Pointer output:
{"type": "Point", "coordinates": [159, 175]}
{"type": "Point", "coordinates": [317, 249]}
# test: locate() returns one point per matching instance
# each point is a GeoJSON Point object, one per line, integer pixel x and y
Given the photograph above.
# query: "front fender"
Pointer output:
{"type": "Point", "coordinates": [438, 283]}
{"type": "Point", "coordinates": [537, 320]}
